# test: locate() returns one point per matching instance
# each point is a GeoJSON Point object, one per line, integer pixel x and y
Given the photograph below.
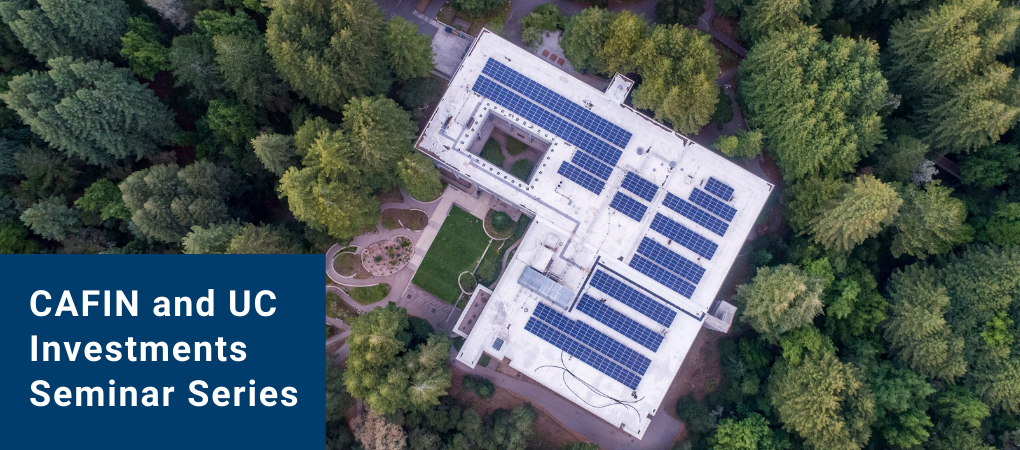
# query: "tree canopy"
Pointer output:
{"type": "Point", "coordinates": [815, 102]}
{"type": "Point", "coordinates": [91, 110]}
{"type": "Point", "coordinates": [329, 51]}
{"type": "Point", "coordinates": [781, 299]}
{"type": "Point", "coordinates": [863, 209]}
{"type": "Point", "coordinates": [75, 28]}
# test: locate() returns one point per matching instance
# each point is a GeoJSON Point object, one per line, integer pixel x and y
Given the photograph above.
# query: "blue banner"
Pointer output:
{"type": "Point", "coordinates": [162, 351]}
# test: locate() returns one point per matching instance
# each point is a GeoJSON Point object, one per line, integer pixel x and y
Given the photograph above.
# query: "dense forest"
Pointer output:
{"type": "Point", "coordinates": [205, 126]}
{"type": "Point", "coordinates": [884, 313]}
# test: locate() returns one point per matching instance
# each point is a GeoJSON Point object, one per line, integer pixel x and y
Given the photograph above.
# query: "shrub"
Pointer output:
{"type": "Point", "coordinates": [481, 386]}
{"type": "Point", "coordinates": [723, 109]}
{"type": "Point", "coordinates": [502, 222]}
{"type": "Point", "coordinates": [515, 147]}
{"type": "Point", "coordinates": [522, 169]}
{"type": "Point", "coordinates": [491, 152]}
{"type": "Point", "coordinates": [695, 415]}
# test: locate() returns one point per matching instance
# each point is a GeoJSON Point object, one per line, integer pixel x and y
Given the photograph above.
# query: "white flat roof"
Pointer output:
{"type": "Point", "coordinates": [585, 234]}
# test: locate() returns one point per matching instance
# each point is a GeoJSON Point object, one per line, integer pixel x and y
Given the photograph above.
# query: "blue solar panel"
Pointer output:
{"type": "Point", "coordinates": [633, 298]}
{"type": "Point", "coordinates": [585, 179]}
{"type": "Point", "coordinates": [640, 186]}
{"type": "Point", "coordinates": [545, 119]}
{"type": "Point", "coordinates": [595, 339]}
{"type": "Point", "coordinates": [596, 167]}
{"type": "Point", "coordinates": [684, 236]}
{"type": "Point", "coordinates": [585, 354]}
{"type": "Point", "coordinates": [558, 103]}
{"type": "Point", "coordinates": [698, 215]}
{"type": "Point", "coordinates": [671, 260]}
{"type": "Point", "coordinates": [632, 208]}
{"type": "Point", "coordinates": [719, 189]}
{"type": "Point", "coordinates": [619, 322]}
{"type": "Point", "coordinates": [664, 277]}
{"type": "Point", "coordinates": [712, 204]}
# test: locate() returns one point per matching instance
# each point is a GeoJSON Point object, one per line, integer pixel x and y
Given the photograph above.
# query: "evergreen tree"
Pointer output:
{"type": "Point", "coordinates": [329, 193]}
{"type": "Point", "coordinates": [74, 28]}
{"type": "Point", "coordinates": [900, 404]}
{"type": "Point", "coordinates": [376, 433]}
{"type": "Point", "coordinates": [865, 207]}
{"type": "Point", "coordinates": [192, 61]}
{"type": "Point", "coordinates": [897, 158]}
{"type": "Point", "coordinates": [824, 400]}
{"type": "Point", "coordinates": [91, 110]}
{"type": "Point", "coordinates": [166, 201]}
{"type": "Point", "coordinates": [14, 238]}
{"type": "Point", "coordinates": [248, 72]}
{"type": "Point", "coordinates": [944, 63]}
{"type": "Point", "coordinates": [264, 240]}
{"type": "Point", "coordinates": [418, 174]}
{"type": "Point", "coordinates": [815, 102]}
{"type": "Point", "coordinates": [989, 166]}
{"type": "Point", "coordinates": [329, 51]}
{"type": "Point", "coordinates": [47, 173]}
{"type": "Point", "coordinates": [750, 433]}
{"type": "Point", "coordinates": [105, 198]}
{"type": "Point", "coordinates": [276, 151]}
{"type": "Point", "coordinates": [141, 47]}
{"type": "Point", "coordinates": [917, 330]}
{"type": "Point", "coordinates": [930, 222]}
{"type": "Point", "coordinates": [381, 134]}
{"type": "Point", "coordinates": [584, 35]}
{"type": "Point", "coordinates": [409, 53]}
{"type": "Point", "coordinates": [210, 239]}
{"type": "Point", "coordinates": [809, 198]}
{"type": "Point", "coordinates": [625, 39]}
{"type": "Point", "coordinates": [781, 299]}
{"type": "Point", "coordinates": [678, 68]}
{"type": "Point", "coordinates": [763, 17]}
{"type": "Point", "coordinates": [51, 218]}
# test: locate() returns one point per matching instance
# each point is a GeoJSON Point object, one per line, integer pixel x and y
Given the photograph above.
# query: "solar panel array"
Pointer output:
{"type": "Point", "coordinates": [627, 205]}
{"type": "Point", "coordinates": [596, 167]}
{"type": "Point", "coordinates": [595, 339]}
{"type": "Point", "coordinates": [684, 236]}
{"type": "Point", "coordinates": [545, 119]}
{"type": "Point", "coordinates": [712, 204]}
{"type": "Point", "coordinates": [558, 103]}
{"type": "Point", "coordinates": [698, 215]}
{"type": "Point", "coordinates": [640, 186]}
{"type": "Point", "coordinates": [619, 322]}
{"type": "Point", "coordinates": [671, 260]}
{"type": "Point", "coordinates": [719, 189]}
{"type": "Point", "coordinates": [633, 298]}
{"type": "Point", "coordinates": [584, 179]}
{"type": "Point", "coordinates": [585, 354]}
{"type": "Point", "coordinates": [664, 277]}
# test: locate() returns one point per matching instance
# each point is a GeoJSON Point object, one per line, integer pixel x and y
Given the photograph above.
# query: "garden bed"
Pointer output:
{"type": "Point", "coordinates": [336, 307]}
{"type": "Point", "coordinates": [411, 219]}
{"type": "Point", "coordinates": [387, 257]}
{"type": "Point", "coordinates": [467, 282]}
{"type": "Point", "coordinates": [456, 249]}
{"type": "Point", "coordinates": [349, 265]}
{"type": "Point", "coordinates": [499, 225]}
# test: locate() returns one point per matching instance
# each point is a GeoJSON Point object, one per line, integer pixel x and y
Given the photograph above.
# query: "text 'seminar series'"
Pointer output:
{"type": "Point", "coordinates": [119, 304]}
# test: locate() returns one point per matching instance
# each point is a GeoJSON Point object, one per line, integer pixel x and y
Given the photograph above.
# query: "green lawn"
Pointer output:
{"type": "Point", "coordinates": [457, 248]}
{"type": "Point", "coordinates": [515, 147]}
{"type": "Point", "coordinates": [366, 295]}
{"type": "Point", "coordinates": [522, 169]}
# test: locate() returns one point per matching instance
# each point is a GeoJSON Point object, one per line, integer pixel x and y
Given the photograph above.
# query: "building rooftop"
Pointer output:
{"type": "Point", "coordinates": [635, 229]}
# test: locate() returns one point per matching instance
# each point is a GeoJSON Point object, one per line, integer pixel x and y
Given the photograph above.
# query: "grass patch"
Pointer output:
{"type": "Point", "coordinates": [491, 152]}
{"type": "Point", "coordinates": [491, 265]}
{"type": "Point", "coordinates": [457, 248]}
{"type": "Point", "coordinates": [404, 218]}
{"type": "Point", "coordinates": [521, 168]}
{"type": "Point", "coordinates": [349, 265]}
{"type": "Point", "coordinates": [462, 301]}
{"type": "Point", "coordinates": [522, 227]}
{"type": "Point", "coordinates": [366, 295]}
{"type": "Point", "coordinates": [484, 360]}
{"type": "Point", "coordinates": [338, 308]}
{"type": "Point", "coordinates": [467, 282]}
{"type": "Point", "coordinates": [457, 342]}
{"type": "Point", "coordinates": [515, 147]}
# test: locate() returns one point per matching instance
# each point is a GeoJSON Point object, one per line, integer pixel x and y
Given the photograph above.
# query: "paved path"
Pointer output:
{"type": "Point", "coordinates": [660, 434]}
{"type": "Point", "coordinates": [705, 24]}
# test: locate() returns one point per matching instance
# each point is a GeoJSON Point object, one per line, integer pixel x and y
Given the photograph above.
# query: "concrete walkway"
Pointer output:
{"type": "Point", "coordinates": [660, 434]}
